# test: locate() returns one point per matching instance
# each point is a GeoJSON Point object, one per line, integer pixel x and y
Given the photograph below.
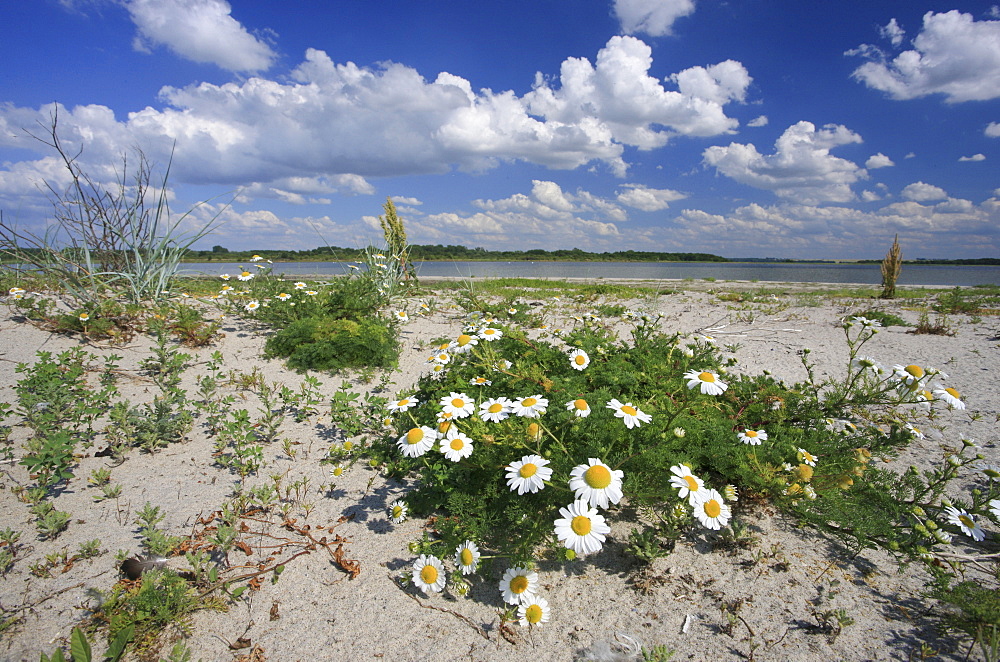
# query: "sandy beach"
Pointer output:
{"type": "Point", "coordinates": [779, 588]}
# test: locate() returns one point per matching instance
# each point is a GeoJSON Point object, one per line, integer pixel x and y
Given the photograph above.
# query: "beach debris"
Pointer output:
{"type": "Point", "coordinates": [135, 567]}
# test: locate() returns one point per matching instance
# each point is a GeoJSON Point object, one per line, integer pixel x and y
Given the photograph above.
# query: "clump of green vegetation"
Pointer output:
{"type": "Point", "coordinates": [334, 344]}
{"type": "Point", "coordinates": [883, 317]}
{"type": "Point", "coordinates": [891, 265]}
{"type": "Point", "coordinates": [532, 461]}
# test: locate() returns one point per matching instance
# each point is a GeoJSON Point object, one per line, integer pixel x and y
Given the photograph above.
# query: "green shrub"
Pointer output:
{"type": "Point", "coordinates": [335, 344]}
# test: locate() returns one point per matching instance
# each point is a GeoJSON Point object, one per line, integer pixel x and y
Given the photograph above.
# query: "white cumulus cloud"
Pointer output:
{"type": "Point", "coordinates": [893, 32]}
{"type": "Point", "coordinates": [974, 157]}
{"type": "Point", "coordinates": [801, 169]}
{"type": "Point", "coordinates": [199, 30]}
{"type": "Point", "coordinates": [953, 55]}
{"type": "Point", "coordinates": [879, 160]}
{"type": "Point", "coordinates": [617, 95]}
{"type": "Point", "coordinates": [652, 17]}
{"type": "Point", "coordinates": [992, 130]}
{"type": "Point", "coordinates": [923, 192]}
{"type": "Point", "coordinates": [648, 199]}
{"type": "Point", "coordinates": [760, 120]}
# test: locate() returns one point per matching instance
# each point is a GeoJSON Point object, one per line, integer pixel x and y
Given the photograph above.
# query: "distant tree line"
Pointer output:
{"type": "Point", "coordinates": [439, 252]}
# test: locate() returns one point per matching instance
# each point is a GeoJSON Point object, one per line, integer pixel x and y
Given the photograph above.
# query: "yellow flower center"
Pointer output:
{"type": "Point", "coordinates": [458, 403]}
{"type": "Point", "coordinates": [403, 402]}
{"type": "Point", "coordinates": [597, 477]}
{"type": "Point", "coordinates": [751, 433]}
{"type": "Point", "coordinates": [495, 408]}
{"type": "Point", "coordinates": [630, 411]}
{"type": "Point", "coordinates": [429, 574]}
{"type": "Point", "coordinates": [967, 521]}
{"type": "Point", "coordinates": [579, 359]}
{"type": "Point", "coordinates": [915, 370]}
{"type": "Point", "coordinates": [706, 377]}
{"type": "Point", "coordinates": [414, 436]}
{"type": "Point", "coordinates": [519, 584]}
{"type": "Point", "coordinates": [397, 511]}
{"type": "Point", "coordinates": [348, 445]}
{"type": "Point", "coordinates": [712, 508]}
{"type": "Point", "coordinates": [533, 614]}
{"type": "Point", "coordinates": [580, 525]}
{"type": "Point", "coordinates": [338, 471]}
{"type": "Point", "coordinates": [466, 557]}
{"type": "Point", "coordinates": [529, 402]}
{"type": "Point", "coordinates": [952, 392]}
{"type": "Point", "coordinates": [534, 431]}
{"type": "Point", "coordinates": [443, 426]}
{"type": "Point", "coordinates": [528, 470]}
{"type": "Point", "coordinates": [581, 405]}
{"type": "Point", "coordinates": [457, 444]}
{"type": "Point", "coordinates": [464, 340]}
{"type": "Point", "coordinates": [692, 483]}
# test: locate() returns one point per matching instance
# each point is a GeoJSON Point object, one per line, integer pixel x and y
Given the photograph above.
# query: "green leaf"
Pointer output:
{"type": "Point", "coordinates": [117, 647]}
{"type": "Point", "coordinates": [79, 647]}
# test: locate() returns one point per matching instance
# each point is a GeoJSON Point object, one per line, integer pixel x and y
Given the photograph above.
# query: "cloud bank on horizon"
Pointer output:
{"type": "Point", "coordinates": [640, 144]}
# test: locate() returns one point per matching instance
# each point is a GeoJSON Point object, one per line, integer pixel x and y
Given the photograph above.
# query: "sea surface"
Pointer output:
{"type": "Point", "coordinates": [799, 272]}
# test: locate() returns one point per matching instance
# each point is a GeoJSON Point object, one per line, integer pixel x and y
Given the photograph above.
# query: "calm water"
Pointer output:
{"type": "Point", "coordinates": [867, 274]}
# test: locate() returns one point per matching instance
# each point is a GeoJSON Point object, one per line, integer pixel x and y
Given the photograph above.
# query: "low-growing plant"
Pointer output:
{"type": "Point", "coordinates": [883, 317]}
{"type": "Point", "coordinates": [334, 344]}
{"type": "Point", "coordinates": [939, 327]}
{"type": "Point", "coordinates": [589, 419]}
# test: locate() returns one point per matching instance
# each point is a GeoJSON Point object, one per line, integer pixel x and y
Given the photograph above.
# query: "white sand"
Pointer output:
{"type": "Point", "coordinates": [324, 616]}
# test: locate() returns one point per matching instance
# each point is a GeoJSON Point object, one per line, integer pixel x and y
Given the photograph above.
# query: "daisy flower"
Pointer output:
{"type": "Point", "coordinates": [464, 343]}
{"type": "Point", "coordinates": [337, 471]}
{"type": "Point", "coordinates": [995, 507]}
{"type": "Point", "coordinates": [965, 523]}
{"type": "Point", "coordinates": [224, 276]}
{"type": "Point", "coordinates": [596, 483]}
{"type": "Point", "coordinates": [226, 288]}
{"type": "Point", "coordinates": [489, 334]}
{"type": "Point", "coordinates": [518, 586]}
{"type": "Point", "coordinates": [531, 407]}
{"type": "Point", "coordinates": [312, 293]}
{"type": "Point", "coordinates": [710, 509]}
{"type": "Point", "coordinates": [528, 474]}
{"type": "Point", "coordinates": [428, 574]}
{"type": "Point", "coordinates": [686, 482]}
{"type": "Point", "coordinates": [456, 446]}
{"type": "Point", "coordinates": [300, 285]}
{"type": "Point", "coordinates": [862, 363]}
{"type": "Point", "coordinates": [579, 407]}
{"type": "Point", "coordinates": [708, 381]}
{"type": "Point", "coordinates": [252, 306]}
{"type": "Point", "coordinates": [245, 276]}
{"type": "Point", "coordinates": [284, 296]}
{"type": "Point", "coordinates": [256, 258]}
{"type": "Point", "coordinates": [909, 374]}
{"type": "Point", "coordinates": [417, 441]}
{"type": "Point", "coordinates": [951, 396]}
{"type": "Point", "coordinates": [459, 405]}
{"type": "Point", "coordinates": [752, 437]}
{"type": "Point", "coordinates": [467, 557]}
{"type": "Point", "coordinates": [533, 612]}
{"type": "Point", "coordinates": [398, 511]}
{"type": "Point", "coordinates": [581, 528]}
{"type": "Point", "coordinates": [632, 416]}
{"type": "Point", "coordinates": [84, 317]}
{"type": "Point", "coordinates": [512, 311]}
{"type": "Point", "coordinates": [805, 457]}
{"type": "Point", "coordinates": [403, 405]}
{"type": "Point", "coordinates": [578, 359]}
{"type": "Point", "coordinates": [480, 381]}
{"type": "Point", "coordinates": [442, 358]}
{"type": "Point", "coordinates": [401, 315]}
{"type": "Point", "coordinates": [495, 410]}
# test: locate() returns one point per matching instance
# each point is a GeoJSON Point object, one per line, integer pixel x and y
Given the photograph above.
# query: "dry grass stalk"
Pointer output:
{"type": "Point", "coordinates": [891, 265]}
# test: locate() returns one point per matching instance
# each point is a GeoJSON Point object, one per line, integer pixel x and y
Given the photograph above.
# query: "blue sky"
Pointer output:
{"type": "Point", "coordinates": [744, 128]}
